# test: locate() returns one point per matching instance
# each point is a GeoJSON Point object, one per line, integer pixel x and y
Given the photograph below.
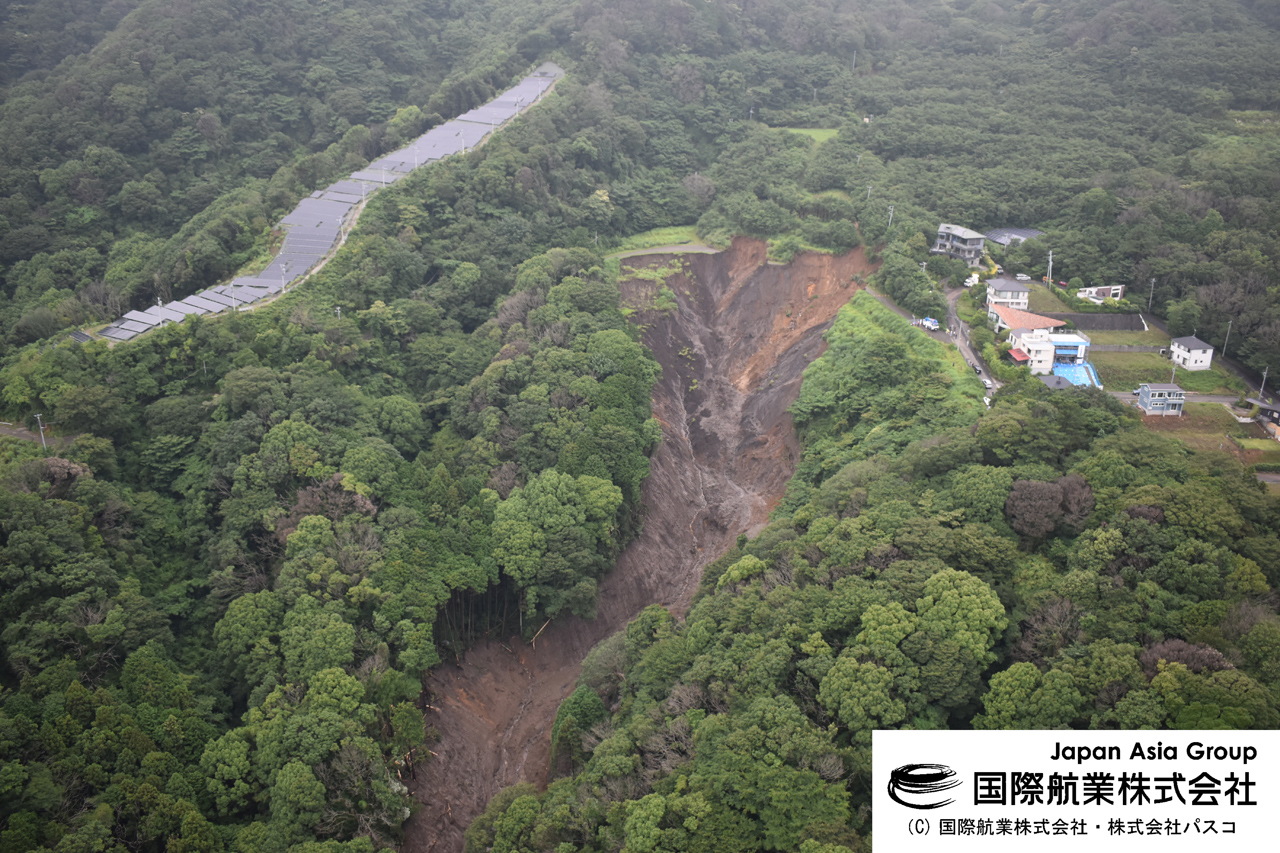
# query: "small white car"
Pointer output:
{"type": "Point", "coordinates": [1022, 277]}
{"type": "Point", "coordinates": [987, 384]}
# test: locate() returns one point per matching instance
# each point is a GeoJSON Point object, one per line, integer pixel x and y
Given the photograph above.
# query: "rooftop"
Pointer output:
{"type": "Point", "coordinates": [1190, 342]}
{"type": "Point", "coordinates": [1161, 386]}
{"type": "Point", "coordinates": [1018, 319]}
{"type": "Point", "coordinates": [1057, 383]}
{"type": "Point", "coordinates": [959, 231]}
{"type": "Point", "coordinates": [1007, 285]}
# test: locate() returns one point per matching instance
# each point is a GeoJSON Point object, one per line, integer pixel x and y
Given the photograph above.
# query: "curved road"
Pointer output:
{"type": "Point", "coordinates": [960, 338]}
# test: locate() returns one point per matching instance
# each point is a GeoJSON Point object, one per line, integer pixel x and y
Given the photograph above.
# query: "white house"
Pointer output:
{"type": "Point", "coordinates": [1190, 353]}
{"type": "Point", "coordinates": [1041, 349]}
{"type": "Point", "coordinates": [1007, 293]}
{"type": "Point", "coordinates": [1098, 293]}
{"type": "Point", "coordinates": [959, 242]}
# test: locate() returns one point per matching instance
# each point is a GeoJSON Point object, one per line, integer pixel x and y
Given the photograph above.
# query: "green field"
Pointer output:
{"type": "Point", "coordinates": [1121, 370]}
{"type": "Point", "coordinates": [1149, 338]}
{"type": "Point", "coordinates": [818, 134]}
{"type": "Point", "coordinates": [1044, 301]}
{"type": "Point", "coordinates": [673, 236]}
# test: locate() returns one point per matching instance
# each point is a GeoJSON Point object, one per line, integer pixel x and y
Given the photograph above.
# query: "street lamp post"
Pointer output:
{"type": "Point", "coordinates": [41, 424]}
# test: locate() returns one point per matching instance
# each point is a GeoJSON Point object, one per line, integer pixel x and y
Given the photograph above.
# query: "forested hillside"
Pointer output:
{"type": "Point", "coordinates": [225, 582]}
{"type": "Point", "coordinates": [1048, 563]}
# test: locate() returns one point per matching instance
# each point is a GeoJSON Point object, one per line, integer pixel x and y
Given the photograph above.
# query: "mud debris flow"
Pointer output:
{"type": "Point", "coordinates": [732, 357]}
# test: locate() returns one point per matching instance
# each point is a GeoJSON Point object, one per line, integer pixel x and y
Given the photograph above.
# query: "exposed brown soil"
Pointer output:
{"type": "Point", "coordinates": [732, 356]}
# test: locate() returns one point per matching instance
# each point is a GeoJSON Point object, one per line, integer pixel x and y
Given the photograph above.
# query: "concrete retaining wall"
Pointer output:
{"type": "Point", "coordinates": [1123, 348]}
{"type": "Point", "coordinates": [1103, 322]}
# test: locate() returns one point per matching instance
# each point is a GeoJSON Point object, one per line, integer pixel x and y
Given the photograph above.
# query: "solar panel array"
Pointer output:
{"type": "Point", "coordinates": [314, 227]}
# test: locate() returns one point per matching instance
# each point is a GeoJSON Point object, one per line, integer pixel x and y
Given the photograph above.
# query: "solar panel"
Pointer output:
{"type": "Point", "coordinates": [374, 176]}
{"type": "Point", "coordinates": [315, 224]}
{"type": "Point", "coordinates": [262, 285]}
{"type": "Point", "coordinates": [351, 187]}
{"type": "Point", "coordinates": [80, 337]}
{"type": "Point", "coordinates": [205, 305]}
{"type": "Point", "coordinates": [165, 313]}
{"type": "Point", "coordinates": [217, 298]}
{"type": "Point", "coordinates": [345, 198]}
{"type": "Point", "coordinates": [139, 317]}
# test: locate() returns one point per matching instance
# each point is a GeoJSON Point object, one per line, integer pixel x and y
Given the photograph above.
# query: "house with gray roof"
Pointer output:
{"type": "Point", "coordinates": [957, 241]}
{"type": "Point", "coordinates": [1190, 353]}
{"type": "Point", "coordinates": [1161, 398]}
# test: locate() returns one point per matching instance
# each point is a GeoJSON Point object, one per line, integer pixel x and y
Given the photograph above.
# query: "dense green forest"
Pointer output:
{"type": "Point", "coordinates": [222, 588]}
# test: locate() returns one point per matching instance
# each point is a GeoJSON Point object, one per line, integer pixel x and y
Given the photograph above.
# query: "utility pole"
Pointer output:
{"type": "Point", "coordinates": [1264, 381]}
{"type": "Point", "coordinates": [890, 225]}
{"type": "Point", "coordinates": [1153, 293]}
{"type": "Point", "coordinates": [338, 310]}
{"type": "Point", "coordinates": [1050, 267]}
{"type": "Point", "coordinates": [1227, 338]}
{"type": "Point", "coordinates": [41, 423]}
{"type": "Point", "coordinates": [854, 64]}
{"type": "Point", "coordinates": [868, 192]}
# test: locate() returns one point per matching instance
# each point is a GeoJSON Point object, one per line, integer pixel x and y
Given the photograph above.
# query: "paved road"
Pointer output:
{"type": "Point", "coordinates": [961, 339]}
{"type": "Point", "coordinates": [1192, 397]}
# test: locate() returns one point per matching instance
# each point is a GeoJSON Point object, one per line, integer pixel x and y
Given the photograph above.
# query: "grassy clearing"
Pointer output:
{"type": "Point", "coordinates": [673, 236]}
{"type": "Point", "coordinates": [1121, 370]}
{"type": "Point", "coordinates": [1043, 301]}
{"type": "Point", "coordinates": [817, 134]}
{"type": "Point", "coordinates": [1149, 338]}
{"type": "Point", "coordinates": [1203, 426]}
{"type": "Point", "coordinates": [1266, 445]}
{"type": "Point", "coordinates": [968, 310]}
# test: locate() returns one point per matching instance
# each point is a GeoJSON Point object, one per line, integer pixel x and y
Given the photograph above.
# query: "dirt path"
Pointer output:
{"type": "Point", "coordinates": [673, 249]}
{"type": "Point", "coordinates": [732, 357]}
{"type": "Point", "coordinates": [15, 431]}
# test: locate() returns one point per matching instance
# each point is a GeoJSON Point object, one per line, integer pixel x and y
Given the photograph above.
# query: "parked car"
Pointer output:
{"type": "Point", "coordinates": [1022, 277]}
{"type": "Point", "coordinates": [987, 383]}
{"type": "Point", "coordinates": [1136, 391]}
{"type": "Point", "coordinates": [976, 369]}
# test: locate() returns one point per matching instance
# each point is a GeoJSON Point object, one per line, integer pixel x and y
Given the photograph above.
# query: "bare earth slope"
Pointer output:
{"type": "Point", "coordinates": [732, 356]}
